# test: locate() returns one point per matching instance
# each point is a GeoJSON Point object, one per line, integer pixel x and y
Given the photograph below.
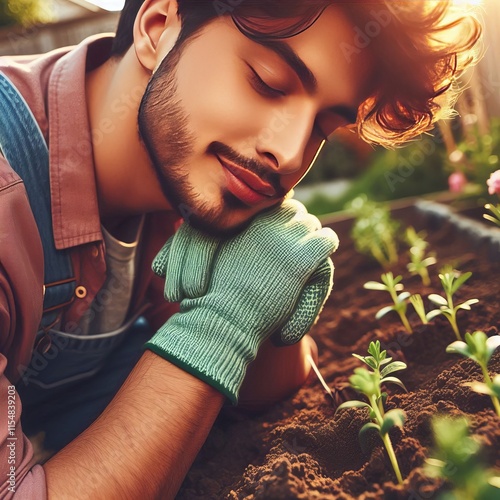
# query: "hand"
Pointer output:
{"type": "Point", "coordinates": [275, 275]}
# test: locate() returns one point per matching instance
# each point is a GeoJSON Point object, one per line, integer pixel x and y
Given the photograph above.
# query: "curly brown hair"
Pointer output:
{"type": "Point", "coordinates": [420, 48]}
{"type": "Point", "coordinates": [420, 56]}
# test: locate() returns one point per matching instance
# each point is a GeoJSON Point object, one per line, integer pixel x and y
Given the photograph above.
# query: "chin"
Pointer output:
{"type": "Point", "coordinates": [230, 225]}
{"type": "Point", "coordinates": [219, 229]}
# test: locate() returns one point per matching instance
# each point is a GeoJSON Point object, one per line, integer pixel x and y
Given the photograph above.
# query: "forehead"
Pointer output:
{"type": "Point", "coordinates": [328, 48]}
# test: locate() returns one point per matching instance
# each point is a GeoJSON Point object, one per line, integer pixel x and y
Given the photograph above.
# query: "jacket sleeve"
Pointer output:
{"type": "Point", "coordinates": [20, 480]}
{"type": "Point", "coordinates": [21, 298]}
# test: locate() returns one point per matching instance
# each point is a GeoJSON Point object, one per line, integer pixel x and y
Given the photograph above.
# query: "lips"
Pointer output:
{"type": "Point", "coordinates": [244, 184]}
{"type": "Point", "coordinates": [252, 180]}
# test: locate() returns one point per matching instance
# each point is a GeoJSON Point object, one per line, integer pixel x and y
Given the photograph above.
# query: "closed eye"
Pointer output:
{"type": "Point", "coordinates": [262, 87]}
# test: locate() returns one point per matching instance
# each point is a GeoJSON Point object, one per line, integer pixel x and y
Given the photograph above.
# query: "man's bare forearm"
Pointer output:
{"type": "Point", "coordinates": [144, 442]}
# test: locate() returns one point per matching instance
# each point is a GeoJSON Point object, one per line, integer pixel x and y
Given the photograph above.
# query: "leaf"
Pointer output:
{"type": "Point", "coordinates": [491, 344]}
{"type": "Point", "coordinates": [393, 380]}
{"type": "Point", "coordinates": [384, 311]}
{"type": "Point", "coordinates": [459, 347]}
{"type": "Point", "coordinates": [403, 296]}
{"type": "Point", "coordinates": [352, 404]}
{"type": "Point", "coordinates": [435, 462]}
{"type": "Point", "coordinates": [494, 481]}
{"type": "Point", "coordinates": [374, 285]}
{"type": "Point", "coordinates": [385, 361]}
{"type": "Point", "coordinates": [393, 367]}
{"type": "Point", "coordinates": [491, 219]}
{"type": "Point", "coordinates": [466, 305]}
{"type": "Point", "coordinates": [397, 279]}
{"type": "Point", "coordinates": [370, 361]}
{"type": "Point", "coordinates": [368, 426]}
{"type": "Point", "coordinates": [477, 345]}
{"type": "Point", "coordinates": [361, 358]}
{"type": "Point", "coordinates": [437, 299]}
{"type": "Point", "coordinates": [460, 281]}
{"type": "Point", "coordinates": [392, 418]}
{"type": "Point", "coordinates": [432, 314]}
{"type": "Point", "coordinates": [383, 398]}
{"type": "Point", "coordinates": [374, 349]}
{"type": "Point", "coordinates": [480, 388]}
{"type": "Point", "coordinates": [364, 435]}
{"type": "Point", "coordinates": [429, 261]}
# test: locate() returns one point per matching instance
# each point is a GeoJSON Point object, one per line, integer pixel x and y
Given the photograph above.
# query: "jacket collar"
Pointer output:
{"type": "Point", "coordinates": [75, 211]}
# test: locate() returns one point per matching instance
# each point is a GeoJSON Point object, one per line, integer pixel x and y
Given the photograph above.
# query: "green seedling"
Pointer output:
{"type": "Point", "coordinates": [495, 210]}
{"type": "Point", "coordinates": [418, 304]}
{"type": "Point", "coordinates": [493, 184]}
{"type": "Point", "coordinates": [374, 231]}
{"type": "Point", "coordinates": [419, 261]}
{"type": "Point", "coordinates": [392, 285]}
{"type": "Point", "coordinates": [451, 281]}
{"type": "Point", "coordinates": [414, 239]}
{"type": "Point", "coordinates": [480, 348]}
{"type": "Point", "coordinates": [419, 264]}
{"type": "Point", "coordinates": [456, 460]}
{"type": "Point", "coordinates": [368, 383]}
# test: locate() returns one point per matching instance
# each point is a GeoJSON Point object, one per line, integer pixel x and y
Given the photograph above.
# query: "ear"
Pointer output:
{"type": "Point", "coordinates": [156, 29]}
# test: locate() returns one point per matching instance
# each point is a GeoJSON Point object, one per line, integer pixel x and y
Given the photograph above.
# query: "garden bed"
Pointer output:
{"type": "Point", "coordinates": [300, 449]}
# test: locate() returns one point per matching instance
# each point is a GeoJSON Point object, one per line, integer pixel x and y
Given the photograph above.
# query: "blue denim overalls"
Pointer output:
{"type": "Point", "coordinates": [71, 378]}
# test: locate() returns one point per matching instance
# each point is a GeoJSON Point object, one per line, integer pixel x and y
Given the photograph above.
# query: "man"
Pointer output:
{"type": "Point", "coordinates": [213, 112]}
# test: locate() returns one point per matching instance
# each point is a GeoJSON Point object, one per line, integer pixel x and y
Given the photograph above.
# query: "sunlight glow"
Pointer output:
{"type": "Point", "coordinates": [111, 5]}
{"type": "Point", "coordinates": [467, 3]}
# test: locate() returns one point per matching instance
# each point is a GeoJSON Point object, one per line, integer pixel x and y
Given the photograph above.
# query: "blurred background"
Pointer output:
{"type": "Point", "coordinates": [458, 157]}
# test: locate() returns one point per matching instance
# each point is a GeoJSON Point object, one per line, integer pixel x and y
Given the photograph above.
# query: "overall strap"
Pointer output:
{"type": "Point", "coordinates": [23, 145]}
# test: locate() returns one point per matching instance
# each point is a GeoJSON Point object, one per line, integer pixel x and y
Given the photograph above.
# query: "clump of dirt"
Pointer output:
{"type": "Point", "coordinates": [301, 449]}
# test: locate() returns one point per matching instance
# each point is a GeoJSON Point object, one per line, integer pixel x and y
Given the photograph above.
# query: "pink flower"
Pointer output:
{"type": "Point", "coordinates": [494, 183]}
{"type": "Point", "coordinates": [457, 182]}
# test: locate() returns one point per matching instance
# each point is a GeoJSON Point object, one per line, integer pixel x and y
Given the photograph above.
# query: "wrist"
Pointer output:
{"type": "Point", "coordinates": [209, 347]}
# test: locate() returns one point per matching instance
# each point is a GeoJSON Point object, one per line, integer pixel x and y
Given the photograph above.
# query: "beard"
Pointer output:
{"type": "Point", "coordinates": [164, 132]}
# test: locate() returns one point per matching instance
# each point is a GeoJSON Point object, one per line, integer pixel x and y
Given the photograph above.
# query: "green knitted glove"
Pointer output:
{"type": "Point", "coordinates": [234, 293]}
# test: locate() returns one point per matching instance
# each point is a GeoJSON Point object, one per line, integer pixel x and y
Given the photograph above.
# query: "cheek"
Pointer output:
{"type": "Point", "coordinates": [216, 98]}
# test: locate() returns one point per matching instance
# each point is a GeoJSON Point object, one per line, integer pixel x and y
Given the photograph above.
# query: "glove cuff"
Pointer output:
{"type": "Point", "coordinates": [203, 347]}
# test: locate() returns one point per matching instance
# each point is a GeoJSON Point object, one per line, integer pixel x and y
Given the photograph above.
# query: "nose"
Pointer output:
{"type": "Point", "coordinates": [284, 141]}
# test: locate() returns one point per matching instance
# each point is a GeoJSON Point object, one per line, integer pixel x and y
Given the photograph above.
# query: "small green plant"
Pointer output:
{"type": "Point", "coordinates": [456, 460]}
{"type": "Point", "coordinates": [374, 231]}
{"type": "Point", "coordinates": [480, 348]}
{"type": "Point", "coordinates": [493, 188]}
{"type": "Point", "coordinates": [418, 304]}
{"type": "Point", "coordinates": [495, 210]}
{"type": "Point", "coordinates": [368, 383]}
{"type": "Point", "coordinates": [451, 281]}
{"type": "Point", "coordinates": [392, 285]}
{"type": "Point", "coordinates": [419, 262]}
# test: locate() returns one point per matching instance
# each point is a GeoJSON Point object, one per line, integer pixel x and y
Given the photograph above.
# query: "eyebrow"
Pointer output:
{"type": "Point", "coordinates": [288, 55]}
{"type": "Point", "coordinates": [305, 75]}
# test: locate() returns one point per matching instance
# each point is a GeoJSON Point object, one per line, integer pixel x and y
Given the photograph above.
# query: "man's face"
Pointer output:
{"type": "Point", "coordinates": [232, 125]}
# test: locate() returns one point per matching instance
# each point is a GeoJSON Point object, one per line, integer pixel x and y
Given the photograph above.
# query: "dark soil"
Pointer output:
{"type": "Point", "coordinates": [300, 449]}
